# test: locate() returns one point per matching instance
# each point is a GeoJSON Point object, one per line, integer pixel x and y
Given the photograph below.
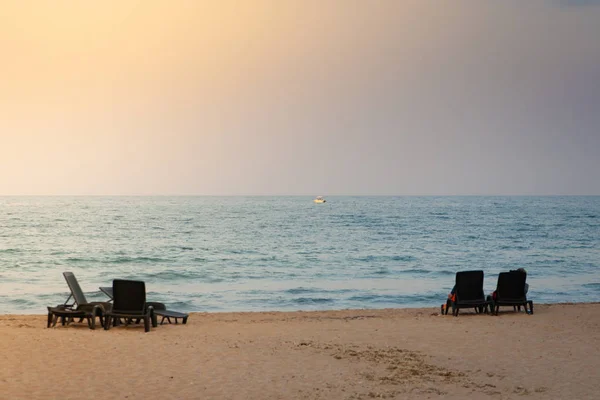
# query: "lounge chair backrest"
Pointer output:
{"type": "Point", "coordinates": [76, 291]}
{"type": "Point", "coordinates": [469, 285]}
{"type": "Point", "coordinates": [511, 285]}
{"type": "Point", "coordinates": [129, 296]}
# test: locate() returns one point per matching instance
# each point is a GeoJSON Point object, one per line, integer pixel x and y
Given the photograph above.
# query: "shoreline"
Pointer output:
{"type": "Point", "coordinates": [418, 309]}
{"type": "Point", "coordinates": [344, 354]}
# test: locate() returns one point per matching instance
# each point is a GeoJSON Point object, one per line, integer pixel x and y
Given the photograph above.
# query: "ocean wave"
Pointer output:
{"type": "Point", "coordinates": [445, 272]}
{"type": "Point", "coordinates": [396, 299]}
{"type": "Point", "coordinates": [592, 285]}
{"type": "Point", "coordinates": [182, 276]}
{"type": "Point", "coordinates": [306, 290]}
{"type": "Point", "coordinates": [373, 258]}
{"type": "Point", "coordinates": [241, 251]}
{"type": "Point", "coordinates": [301, 290]}
{"type": "Point", "coordinates": [137, 260]}
{"type": "Point", "coordinates": [80, 260]}
{"type": "Point", "coordinates": [513, 247]}
{"type": "Point", "coordinates": [20, 302]}
{"type": "Point", "coordinates": [181, 306]}
{"type": "Point", "coordinates": [416, 271]}
{"type": "Point", "coordinates": [118, 260]}
{"type": "Point", "coordinates": [45, 296]}
{"type": "Point", "coordinates": [267, 259]}
{"type": "Point", "coordinates": [381, 271]}
{"type": "Point", "coordinates": [11, 251]}
{"type": "Point", "coordinates": [312, 300]}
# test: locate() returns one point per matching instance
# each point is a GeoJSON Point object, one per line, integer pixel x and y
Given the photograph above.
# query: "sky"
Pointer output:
{"type": "Point", "coordinates": [307, 97]}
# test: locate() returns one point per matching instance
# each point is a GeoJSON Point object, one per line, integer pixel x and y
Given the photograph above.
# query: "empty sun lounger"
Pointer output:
{"type": "Point", "coordinates": [130, 303]}
{"type": "Point", "coordinates": [80, 308]}
{"type": "Point", "coordinates": [67, 315]}
{"type": "Point", "coordinates": [77, 294]}
{"type": "Point", "coordinates": [161, 311]}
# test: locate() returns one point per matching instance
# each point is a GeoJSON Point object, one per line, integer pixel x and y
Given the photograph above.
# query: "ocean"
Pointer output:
{"type": "Point", "coordinates": [287, 253]}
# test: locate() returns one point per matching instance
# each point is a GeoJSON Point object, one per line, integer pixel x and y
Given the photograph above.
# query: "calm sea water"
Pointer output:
{"type": "Point", "coordinates": [287, 253]}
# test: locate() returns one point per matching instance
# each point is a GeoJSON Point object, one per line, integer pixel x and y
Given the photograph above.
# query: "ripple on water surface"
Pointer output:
{"type": "Point", "coordinates": [285, 253]}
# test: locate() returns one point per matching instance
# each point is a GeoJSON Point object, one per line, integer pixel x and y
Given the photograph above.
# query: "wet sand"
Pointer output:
{"type": "Point", "coordinates": [349, 354]}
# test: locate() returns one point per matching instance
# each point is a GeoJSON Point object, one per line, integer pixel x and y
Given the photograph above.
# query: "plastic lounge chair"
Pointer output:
{"type": "Point", "coordinates": [87, 311]}
{"type": "Point", "coordinates": [78, 296]}
{"type": "Point", "coordinates": [130, 303]}
{"type": "Point", "coordinates": [80, 308]}
{"type": "Point", "coordinates": [469, 292]}
{"type": "Point", "coordinates": [161, 311]}
{"type": "Point", "coordinates": [510, 291]}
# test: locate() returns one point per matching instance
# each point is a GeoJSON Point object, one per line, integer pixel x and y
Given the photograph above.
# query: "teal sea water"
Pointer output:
{"type": "Point", "coordinates": [287, 253]}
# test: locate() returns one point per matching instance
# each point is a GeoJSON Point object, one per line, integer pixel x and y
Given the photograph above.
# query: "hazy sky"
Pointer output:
{"type": "Point", "coordinates": [303, 97]}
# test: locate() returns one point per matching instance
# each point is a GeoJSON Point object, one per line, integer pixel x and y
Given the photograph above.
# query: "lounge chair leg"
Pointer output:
{"type": "Point", "coordinates": [50, 315]}
{"type": "Point", "coordinates": [147, 324]}
{"type": "Point", "coordinates": [184, 321]}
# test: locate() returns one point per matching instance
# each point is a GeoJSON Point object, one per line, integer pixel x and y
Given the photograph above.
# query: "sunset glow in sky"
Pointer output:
{"type": "Point", "coordinates": [290, 97]}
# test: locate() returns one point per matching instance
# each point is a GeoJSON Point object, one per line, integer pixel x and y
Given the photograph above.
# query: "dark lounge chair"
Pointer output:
{"type": "Point", "coordinates": [510, 291]}
{"type": "Point", "coordinates": [80, 308]}
{"type": "Point", "coordinates": [161, 310]}
{"type": "Point", "coordinates": [130, 303]}
{"type": "Point", "coordinates": [78, 296]}
{"type": "Point", "coordinates": [468, 292]}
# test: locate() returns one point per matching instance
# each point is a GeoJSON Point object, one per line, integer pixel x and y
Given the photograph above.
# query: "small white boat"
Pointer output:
{"type": "Point", "coordinates": [319, 200]}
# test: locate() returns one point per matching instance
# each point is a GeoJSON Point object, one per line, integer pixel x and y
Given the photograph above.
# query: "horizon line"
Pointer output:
{"type": "Point", "coordinates": [305, 195]}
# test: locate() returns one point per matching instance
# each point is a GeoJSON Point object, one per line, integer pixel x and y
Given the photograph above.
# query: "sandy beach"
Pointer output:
{"type": "Point", "coordinates": [350, 354]}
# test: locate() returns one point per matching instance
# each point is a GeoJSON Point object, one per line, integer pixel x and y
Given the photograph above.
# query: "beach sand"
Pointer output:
{"type": "Point", "coordinates": [350, 354]}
